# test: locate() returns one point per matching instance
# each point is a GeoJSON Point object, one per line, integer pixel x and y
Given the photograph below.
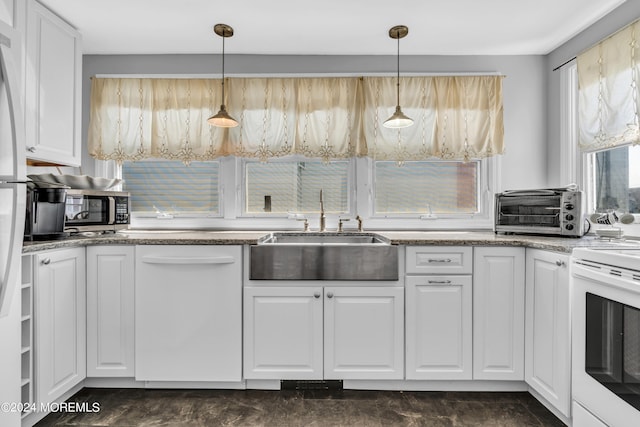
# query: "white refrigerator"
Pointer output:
{"type": "Point", "coordinates": [12, 211]}
{"type": "Point", "coordinates": [12, 170]}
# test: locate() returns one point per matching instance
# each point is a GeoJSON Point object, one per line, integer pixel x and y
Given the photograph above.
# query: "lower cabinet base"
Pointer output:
{"type": "Point", "coordinates": [401, 385]}
{"type": "Point", "coordinates": [132, 383]}
{"type": "Point", "coordinates": [385, 385]}
{"type": "Point", "coordinates": [32, 418]}
{"type": "Point", "coordinates": [550, 407]}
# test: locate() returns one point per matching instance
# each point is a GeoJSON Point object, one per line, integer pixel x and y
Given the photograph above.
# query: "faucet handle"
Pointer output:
{"type": "Point", "coordinates": [306, 223]}
{"type": "Point", "coordinates": [359, 219]}
{"type": "Point", "coordinates": [340, 221]}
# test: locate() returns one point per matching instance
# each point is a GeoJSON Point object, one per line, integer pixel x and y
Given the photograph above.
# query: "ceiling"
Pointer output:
{"type": "Point", "coordinates": [330, 27]}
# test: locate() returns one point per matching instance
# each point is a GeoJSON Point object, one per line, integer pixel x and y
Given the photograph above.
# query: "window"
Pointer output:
{"type": "Point", "coordinates": [431, 187]}
{"type": "Point", "coordinates": [278, 187]}
{"type": "Point", "coordinates": [170, 187]}
{"type": "Point", "coordinates": [617, 179]}
{"type": "Point", "coordinates": [386, 194]}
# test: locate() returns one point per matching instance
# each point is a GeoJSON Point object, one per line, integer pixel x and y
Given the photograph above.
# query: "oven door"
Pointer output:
{"type": "Point", "coordinates": [606, 345]}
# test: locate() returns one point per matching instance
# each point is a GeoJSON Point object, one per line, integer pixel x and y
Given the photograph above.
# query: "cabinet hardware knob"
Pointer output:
{"type": "Point", "coordinates": [559, 263]}
{"type": "Point", "coordinates": [46, 261]}
{"type": "Point", "coordinates": [329, 294]}
{"type": "Point", "coordinates": [316, 295]}
{"type": "Point", "coordinates": [31, 149]}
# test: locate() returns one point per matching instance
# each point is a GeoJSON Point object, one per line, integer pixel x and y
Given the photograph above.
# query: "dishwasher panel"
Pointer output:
{"type": "Point", "coordinates": [188, 313]}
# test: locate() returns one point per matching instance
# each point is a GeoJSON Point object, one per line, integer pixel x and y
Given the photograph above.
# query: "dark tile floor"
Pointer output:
{"type": "Point", "coordinates": [139, 407]}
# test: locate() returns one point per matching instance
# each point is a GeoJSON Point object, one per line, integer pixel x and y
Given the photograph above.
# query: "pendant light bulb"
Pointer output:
{"type": "Point", "coordinates": [222, 118]}
{"type": "Point", "coordinates": [398, 120]}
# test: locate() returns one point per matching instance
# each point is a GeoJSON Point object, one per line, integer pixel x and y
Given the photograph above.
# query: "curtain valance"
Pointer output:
{"type": "Point", "coordinates": [608, 91]}
{"type": "Point", "coordinates": [456, 117]}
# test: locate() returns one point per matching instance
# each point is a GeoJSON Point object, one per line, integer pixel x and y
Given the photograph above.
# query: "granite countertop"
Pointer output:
{"type": "Point", "coordinates": [238, 237]}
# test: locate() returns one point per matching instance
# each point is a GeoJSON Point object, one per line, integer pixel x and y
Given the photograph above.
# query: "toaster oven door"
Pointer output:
{"type": "Point", "coordinates": [537, 212]}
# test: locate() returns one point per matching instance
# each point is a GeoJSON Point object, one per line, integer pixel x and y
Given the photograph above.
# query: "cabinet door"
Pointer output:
{"type": "Point", "coordinates": [110, 311]}
{"type": "Point", "coordinates": [283, 333]}
{"type": "Point", "coordinates": [11, 14]}
{"type": "Point", "coordinates": [53, 97]}
{"type": "Point", "coordinates": [548, 330]}
{"type": "Point", "coordinates": [439, 327]}
{"type": "Point", "coordinates": [364, 333]}
{"type": "Point", "coordinates": [188, 313]}
{"type": "Point", "coordinates": [498, 313]}
{"type": "Point", "coordinates": [60, 329]}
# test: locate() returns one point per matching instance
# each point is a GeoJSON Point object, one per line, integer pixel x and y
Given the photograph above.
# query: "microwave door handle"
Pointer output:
{"type": "Point", "coordinates": [112, 210]}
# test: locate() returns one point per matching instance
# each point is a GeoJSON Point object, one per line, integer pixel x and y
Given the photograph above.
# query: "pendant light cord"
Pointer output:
{"type": "Point", "coordinates": [398, 75]}
{"type": "Point", "coordinates": [223, 37]}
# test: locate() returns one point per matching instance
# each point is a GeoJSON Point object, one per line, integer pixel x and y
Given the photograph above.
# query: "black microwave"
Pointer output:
{"type": "Point", "coordinates": [97, 210]}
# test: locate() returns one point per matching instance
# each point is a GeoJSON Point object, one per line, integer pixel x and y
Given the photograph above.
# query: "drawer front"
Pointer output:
{"type": "Point", "coordinates": [439, 259]}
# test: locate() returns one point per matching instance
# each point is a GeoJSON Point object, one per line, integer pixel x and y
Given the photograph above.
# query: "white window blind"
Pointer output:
{"type": "Point", "coordinates": [294, 186]}
{"type": "Point", "coordinates": [436, 187]}
{"type": "Point", "coordinates": [170, 187]}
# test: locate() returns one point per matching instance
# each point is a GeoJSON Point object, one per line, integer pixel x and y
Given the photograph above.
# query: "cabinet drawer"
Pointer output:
{"type": "Point", "coordinates": [439, 260]}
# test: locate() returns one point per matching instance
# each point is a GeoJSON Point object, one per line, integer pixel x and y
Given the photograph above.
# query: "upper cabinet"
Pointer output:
{"type": "Point", "coordinates": [53, 88]}
{"type": "Point", "coordinates": [11, 13]}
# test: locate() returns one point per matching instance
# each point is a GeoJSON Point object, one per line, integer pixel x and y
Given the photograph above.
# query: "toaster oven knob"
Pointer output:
{"type": "Point", "coordinates": [569, 226]}
{"type": "Point", "coordinates": [568, 206]}
{"type": "Point", "coordinates": [569, 217]}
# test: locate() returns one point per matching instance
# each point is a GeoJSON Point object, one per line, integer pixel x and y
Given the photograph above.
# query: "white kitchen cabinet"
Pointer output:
{"type": "Point", "coordinates": [439, 319]}
{"type": "Point", "coordinates": [53, 88]}
{"type": "Point", "coordinates": [188, 313]}
{"type": "Point", "coordinates": [548, 328]}
{"type": "Point", "coordinates": [313, 333]}
{"type": "Point", "coordinates": [363, 333]}
{"type": "Point", "coordinates": [498, 313]}
{"type": "Point", "coordinates": [60, 322]}
{"type": "Point", "coordinates": [439, 327]}
{"type": "Point", "coordinates": [283, 333]}
{"type": "Point", "coordinates": [11, 14]}
{"type": "Point", "coordinates": [110, 311]}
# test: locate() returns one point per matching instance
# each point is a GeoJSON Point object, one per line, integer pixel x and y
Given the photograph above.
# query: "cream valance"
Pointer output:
{"type": "Point", "coordinates": [608, 91]}
{"type": "Point", "coordinates": [456, 118]}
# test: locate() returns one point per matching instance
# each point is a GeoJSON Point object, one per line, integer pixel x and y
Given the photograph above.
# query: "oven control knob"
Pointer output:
{"type": "Point", "coordinates": [568, 206]}
{"type": "Point", "coordinates": [569, 226]}
{"type": "Point", "coordinates": [569, 217]}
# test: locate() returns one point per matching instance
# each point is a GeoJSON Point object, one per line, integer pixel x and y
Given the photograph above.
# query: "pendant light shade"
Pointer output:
{"type": "Point", "coordinates": [222, 118]}
{"type": "Point", "coordinates": [398, 119]}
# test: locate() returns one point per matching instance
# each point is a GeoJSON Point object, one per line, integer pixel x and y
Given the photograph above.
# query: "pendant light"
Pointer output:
{"type": "Point", "coordinates": [398, 120]}
{"type": "Point", "coordinates": [222, 118]}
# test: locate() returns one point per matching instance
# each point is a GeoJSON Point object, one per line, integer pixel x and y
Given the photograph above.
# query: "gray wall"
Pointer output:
{"type": "Point", "coordinates": [524, 90]}
{"type": "Point", "coordinates": [615, 20]}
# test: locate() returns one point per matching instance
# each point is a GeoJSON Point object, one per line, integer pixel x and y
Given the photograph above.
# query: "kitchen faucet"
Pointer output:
{"type": "Point", "coordinates": [323, 226]}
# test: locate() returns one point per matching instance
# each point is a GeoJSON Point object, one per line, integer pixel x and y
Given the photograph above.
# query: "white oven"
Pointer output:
{"type": "Point", "coordinates": [606, 334]}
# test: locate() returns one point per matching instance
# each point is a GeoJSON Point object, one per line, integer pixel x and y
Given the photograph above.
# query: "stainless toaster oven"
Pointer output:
{"type": "Point", "coordinates": [549, 211]}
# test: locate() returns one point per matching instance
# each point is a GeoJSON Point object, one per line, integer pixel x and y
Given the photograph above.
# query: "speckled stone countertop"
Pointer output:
{"type": "Point", "coordinates": [235, 237]}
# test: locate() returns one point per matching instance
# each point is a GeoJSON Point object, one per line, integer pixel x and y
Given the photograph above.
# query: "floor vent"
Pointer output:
{"type": "Point", "coordinates": [311, 385]}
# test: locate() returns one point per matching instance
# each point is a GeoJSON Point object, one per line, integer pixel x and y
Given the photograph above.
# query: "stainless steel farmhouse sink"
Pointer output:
{"type": "Point", "coordinates": [323, 256]}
